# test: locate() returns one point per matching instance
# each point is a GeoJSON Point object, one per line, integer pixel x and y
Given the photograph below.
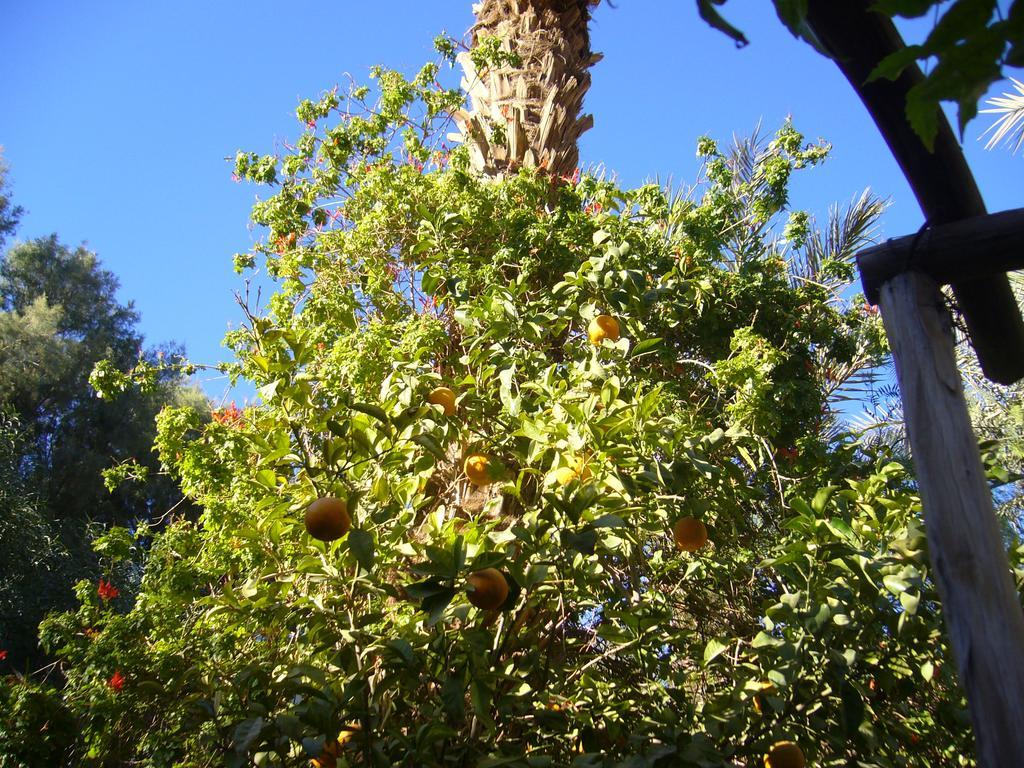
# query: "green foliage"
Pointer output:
{"type": "Point", "coordinates": [36, 727]}
{"type": "Point", "coordinates": [9, 214]}
{"type": "Point", "coordinates": [32, 352]}
{"type": "Point", "coordinates": [488, 52]}
{"type": "Point", "coordinates": [810, 614]}
{"type": "Point", "coordinates": [970, 44]}
{"type": "Point", "coordinates": [33, 560]}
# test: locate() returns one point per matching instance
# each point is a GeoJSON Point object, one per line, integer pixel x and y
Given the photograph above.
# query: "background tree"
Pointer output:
{"type": "Point", "coordinates": [59, 316]}
{"type": "Point", "coordinates": [9, 213]}
{"type": "Point", "coordinates": [75, 435]}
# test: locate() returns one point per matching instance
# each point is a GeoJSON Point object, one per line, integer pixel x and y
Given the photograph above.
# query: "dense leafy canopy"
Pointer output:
{"type": "Point", "coordinates": [809, 615]}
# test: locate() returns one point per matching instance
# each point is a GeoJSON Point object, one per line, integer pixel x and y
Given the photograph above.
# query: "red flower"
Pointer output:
{"type": "Point", "coordinates": [231, 416]}
{"type": "Point", "coordinates": [3, 655]}
{"type": "Point", "coordinates": [106, 590]}
{"type": "Point", "coordinates": [116, 681]}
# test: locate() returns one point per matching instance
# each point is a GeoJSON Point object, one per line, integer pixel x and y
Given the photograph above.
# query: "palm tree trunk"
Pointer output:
{"type": "Point", "coordinates": [528, 114]}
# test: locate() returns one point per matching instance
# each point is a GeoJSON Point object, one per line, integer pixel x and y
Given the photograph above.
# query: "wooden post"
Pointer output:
{"type": "Point", "coordinates": [969, 564]}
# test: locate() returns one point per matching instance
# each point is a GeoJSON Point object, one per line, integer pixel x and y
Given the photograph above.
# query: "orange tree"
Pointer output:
{"type": "Point", "coordinates": [646, 547]}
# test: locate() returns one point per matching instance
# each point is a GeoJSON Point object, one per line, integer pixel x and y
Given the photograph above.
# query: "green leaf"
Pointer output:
{"type": "Point", "coordinates": [801, 506]}
{"type": "Point", "coordinates": [892, 66]}
{"type": "Point", "coordinates": [853, 708]}
{"type": "Point", "coordinates": [268, 391]}
{"type": "Point", "coordinates": [821, 498]}
{"type": "Point", "coordinates": [793, 13]}
{"type": "Point", "coordinates": [362, 546]}
{"type": "Point", "coordinates": [895, 584]}
{"type": "Point", "coordinates": [436, 604]}
{"type": "Point", "coordinates": [764, 640]}
{"type": "Point", "coordinates": [713, 650]}
{"type": "Point", "coordinates": [428, 442]}
{"type": "Point", "coordinates": [964, 20]}
{"type": "Point", "coordinates": [908, 9]}
{"type": "Point", "coordinates": [246, 733]}
{"type": "Point", "coordinates": [821, 617]}
{"type": "Point", "coordinates": [372, 410]}
{"type": "Point", "coordinates": [403, 648]}
{"type": "Point", "coordinates": [453, 697]}
{"type": "Point", "coordinates": [267, 478]}
{"type": "Point", "coordinates": [909, 602]}
{"type": "Point", "coordinates": [424, 589]}
{"type": "Point", "coordinates": [487, 560]}
{"type": "Point", "coordinates": [923, 113]}
{"type": "Point", "coordinates": [583, 542]}
{"type": "Point", "coordinates": [927, 670]}
{"type": "Point", "coordinates": [706, 9]}
{"type": "Point", "coordinates": [536, 574]}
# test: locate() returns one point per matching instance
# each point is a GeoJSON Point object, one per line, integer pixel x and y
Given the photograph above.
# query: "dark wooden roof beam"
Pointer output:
{"type": "Point", "coordinates": [858, 39]}
{"type": "Point", "coordinates": [969, 249]}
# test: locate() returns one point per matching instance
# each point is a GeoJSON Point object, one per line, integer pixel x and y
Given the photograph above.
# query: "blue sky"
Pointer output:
{"type": "Point", "coordinates": [118, 116]}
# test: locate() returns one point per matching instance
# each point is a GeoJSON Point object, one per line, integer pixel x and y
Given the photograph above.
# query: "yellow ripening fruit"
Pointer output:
{"type": "Point", "coordinates": [563, 475]}
{"type": "Point", "coordinates": [348, 733]}
{"type": "Point", "coordinates": [444, 397]}
{"type": "Point", "coordinates": [332, 749]}
{"type": "Point", "coordinates": [581, 468]}
{"type": "Point", "coordinates": [478, 469]}
{"type": "Point", "coordinates": [690, 534]}
{"type": "Point", "coordinates": [784, 754]}
{"type": "Point", "coordinates": [603, 327]}
{"type": "Point", "coordinates": [490, 590]}
{"type": "Point", "coordinates": [327, 519]}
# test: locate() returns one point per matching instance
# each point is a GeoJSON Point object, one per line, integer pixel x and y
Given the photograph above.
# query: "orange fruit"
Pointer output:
{"type": "Point", "coordinates": [690, 534]}
{"type": "Point", "coordinates": [333, 749]}
{"type": "Point", "coordinates": [563, 475]}
{"type": "Point", "coordinates": [490, 590]}
{"type": "Point", "coordinates": [603, 327]}
{"type": "Point", "coordinates": [327, 519]}
{"type": "Point", "coordinates": [784, 754]}
{"type": "Point", "coordinates": [445, 398]}
{"type": "Point", "coordinates": [478, 469]}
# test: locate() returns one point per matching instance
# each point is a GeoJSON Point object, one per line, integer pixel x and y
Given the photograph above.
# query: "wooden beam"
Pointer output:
{"type": "Point", "coordinates": [858, 39]}
{"type": "Point", "coordinates": [969, 564]}
{"type": "Point", "coordinates": [968, 249]}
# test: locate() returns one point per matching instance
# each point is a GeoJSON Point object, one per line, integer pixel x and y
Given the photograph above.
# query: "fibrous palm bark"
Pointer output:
{"type": "Point", "coordinates": [528, 114]}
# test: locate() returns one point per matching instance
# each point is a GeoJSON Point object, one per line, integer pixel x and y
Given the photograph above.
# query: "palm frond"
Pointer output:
{"type": "Point", "coordinates": [845, 233]}
{"type": "Point", "coordinates": [1009, 127]}
{"type": "Point", "coordinates": [744, 154]}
